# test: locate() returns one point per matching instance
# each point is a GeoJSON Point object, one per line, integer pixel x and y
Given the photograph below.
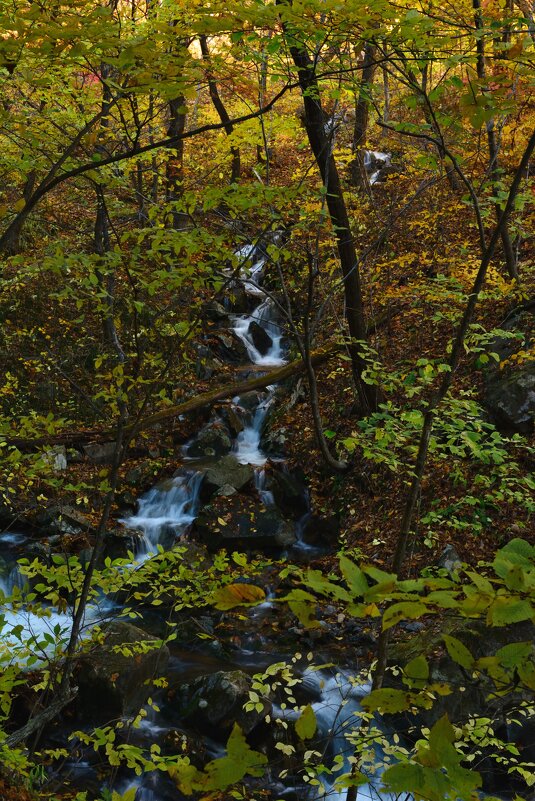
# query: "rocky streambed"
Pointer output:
{"type": "Point", "coordinates": [233, 493]}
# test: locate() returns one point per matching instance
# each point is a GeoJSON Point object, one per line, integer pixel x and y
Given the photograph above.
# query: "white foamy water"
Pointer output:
{"type": "Point", "coordinates": [247, 447]}
{"type": "Point", "coordinates": [260, 480]}
{"type": "Point", "coordinates": [338, 714]}
{"type": "Point", "coordinates": [252, 270]}
{"type": "Point", "coordinates": [173, 503]}
{"type": "Point", "coordinates": [264, 315]}
{"type": "Point", "coordinates": [23, 633]}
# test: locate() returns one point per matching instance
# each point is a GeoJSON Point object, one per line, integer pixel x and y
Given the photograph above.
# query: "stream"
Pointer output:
{"type": "Point", "coordinates": [164, 516]}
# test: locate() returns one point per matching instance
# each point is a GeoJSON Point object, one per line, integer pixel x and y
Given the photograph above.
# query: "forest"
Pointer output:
{"type": "Point", "coordinates": [267, 400]}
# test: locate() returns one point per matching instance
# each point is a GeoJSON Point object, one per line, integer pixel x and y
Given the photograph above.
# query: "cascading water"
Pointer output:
{"type": "Point", "coordinates": [254, 260]}
{"type": "Point", "coordinates": [167, 508]}
{"type": "Point", "coordinates": [338, 713]}
{"type": "Point", "coordinates": [247, 447]}
{"type": "Point", "coordinates": [264, 317]}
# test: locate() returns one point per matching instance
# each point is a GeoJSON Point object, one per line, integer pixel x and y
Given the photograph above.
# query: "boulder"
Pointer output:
{"type": "Point", "coordinates": [233, 420]}
{"type": "Point", "coordinates": [119, 542]}
{"type": "Point", "coordinates": [113, 683]}
{"type": "Point", "coordinates": [238, 522]}
{"type": "Point", "coordinates": [275, 441]}
{"type": "Point", "coordinates": [63, 519]}
{"type": "Point", "coordinates": [227, 471]}
{"type": "Point", "coordinates": [211, 441]}
{"type": "Point", "coordinates": [322, 532]}
{"type": "Point", "coordinates": [213, 704]}
{"type": "Point", "coordinates": [290, 492]}
{"type": "Point", "coordinates": [229, 347]}
{"type": "Point", "coordinates": [215, 312]}
{"type": "Point", "coordinates": [100, 452]}
{"type": "Point", "coordinates": [142, 475]}
{"type": "Point", "coordinates": [510, 385]}
{"type": "Point", "coordinates": [259, 337]}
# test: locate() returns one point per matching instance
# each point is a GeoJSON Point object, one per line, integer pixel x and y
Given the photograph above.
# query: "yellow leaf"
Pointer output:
{"type": "Point", "coordinates": [237, 595]}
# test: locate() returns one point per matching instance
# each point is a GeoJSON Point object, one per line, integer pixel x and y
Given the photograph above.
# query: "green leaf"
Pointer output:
{"type": "Point", "coordinates": [417, 669]}
{"type": "Point", "coordinates": [401, 611]}
{"type": "Point", "coordinates": [306, 723]}
{"type": "Point", "coordinates": [505, 610]}
{"type": "Point", "coordinates": [387, 700]}
{"type": "Point", "coordinates": [458, 652]}
{"type": "Point", "coordinates": [355, 578]}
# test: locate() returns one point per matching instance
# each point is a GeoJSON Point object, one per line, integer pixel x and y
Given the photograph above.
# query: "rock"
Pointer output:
{"type": "Point", "coordinates": [238, 522]}
{"type": "Point", "coordinates": [112, 685]}
{"type": "Point", "coordinates": [100, 452]}
{"type": "Point", "coordinates": [142, 475]}
{"type": "Point", "coordinates": [237, 299]}
{"type": "Point", "coordinates": [56, 458]}
{"type": "Point", "coordinates": [510, 385]}
{"type": "Point", "coordinates": [290, 492]}
{"type": "Point", "coordinates": [63, 519]}
{"type": "Point", "coordinates": [118, 543]}
{"type": "Point", "coordinates": [215, 311]}
{"type": "Point", "coordinates": [511, 400]}
{"type": "Point", "coordinates": [229, 347]}
{"type": "Point", "coordinates": [449, 559]}
{"type": "Point", "coordinates": [211, 441]}
{"type": "Point", "coordinates": [274, 441]}
{"type": "Point", "coordinates": [227, 471]}
{"type": "Point", "coordinates": [205, 364]}
{"type": "Point", "coordinates": [250, 400]}
{"type": "Point", "coordinates": [213, 703]}
{"type": "Point", "coordinates": [232, 419]}
{"type": "Point", "coordinates": [227, 490]}
{"type": "Point", "coordinates": [259, 337]}
{"type": "Point", "coordinates": [321, 531]}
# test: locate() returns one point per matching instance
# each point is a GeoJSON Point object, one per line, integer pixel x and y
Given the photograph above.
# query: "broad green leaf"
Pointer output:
{"type": "Point", "coordinates": [407, 609]}
{"type": "Point", "coordinates": [355, 578]}
{"type": "Point", "coordinates": [306, 723]}
{"type": "Point", "coordinates": [417, 669]}
{"type": "Point", "coordinates": [387, 700]}
{"type": "Point", "coordinates": [505, 610]}
{"type": "Point", "coordinates": [458, 652]}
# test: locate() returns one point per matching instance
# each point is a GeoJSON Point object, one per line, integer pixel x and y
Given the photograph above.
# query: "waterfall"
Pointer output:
{"type": "Point", "coordinates": [247, 446]}
{"type": "Point", "coordinates": [168, 508]}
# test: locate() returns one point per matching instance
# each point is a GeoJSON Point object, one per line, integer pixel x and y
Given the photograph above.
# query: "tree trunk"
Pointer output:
{"type": "Point", "coordinates": [174, 174]}
{"type": "Point", "coordinates": [507, 245]}
{"type": "Point", "coordinates": [319, 142]}
{"type": "Point", "coordinates": [221, 110]}
{"type": "Point", "coordinates": [359, 177]}
{"type": "Point", "coordinates": [102, 232]}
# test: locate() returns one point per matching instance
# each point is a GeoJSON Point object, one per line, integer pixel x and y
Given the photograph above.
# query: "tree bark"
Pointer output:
{"type": "Point", "coordinates": [221, 110]}
{"type": "Point", "coordinates": [359, 177]}
{"type": "Point", "coordinates": [319, 142]}
{"type": "Point", "coordinates": [174, 172]}
{"type": "Point", "coordinates": [507, 245]}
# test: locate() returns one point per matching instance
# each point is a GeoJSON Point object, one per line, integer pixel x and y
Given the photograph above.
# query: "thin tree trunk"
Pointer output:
{"type": "Point", "coordinates": [386, 94]}
{"type": "Point", "coordinates": [507, 245]}
{"type": "Point", "coordinates": [221, 110]}
{"type": "Point", "coordinates": [359, 177]}
{"type": "Point", "coordinates": [102, 233]}
{"type": "Point", "coordinates": [174, 174]}
{"type": "Point", "coordinates": [320, 145]}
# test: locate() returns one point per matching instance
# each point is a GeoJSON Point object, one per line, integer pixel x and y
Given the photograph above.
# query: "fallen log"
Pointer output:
{"type": "Point", "coordinates": [296, 367]}
{"type": "Point", "coordinates": [190, 405]}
